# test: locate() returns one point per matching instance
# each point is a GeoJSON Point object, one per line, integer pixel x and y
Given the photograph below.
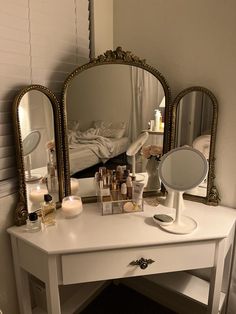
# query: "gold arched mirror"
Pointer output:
{"type": "Point", "coordinates": [37, 124]}
{"type": "Point", "coordinates": [194, 123]}
{"type": "Point", "coordinates": [108, 103]}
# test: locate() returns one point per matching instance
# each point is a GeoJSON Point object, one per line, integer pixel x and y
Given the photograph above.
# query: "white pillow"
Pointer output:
{"type": "Point", "coordinates": [109, 125]}
{"type": "Point", "coordinates": [112, 133]}
{"type": "Point", "coordinates": [73, 125]}
{"type": "Point", "coordinates": [110, 129]}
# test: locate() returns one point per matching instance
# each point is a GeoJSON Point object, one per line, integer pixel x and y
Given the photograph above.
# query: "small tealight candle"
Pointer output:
{"type": "Point", "coordinates": [71, 206]}
{"type": "Point", "coordinates": [37, 195]}
{"type": "Point", "coordinates": [74, 185]}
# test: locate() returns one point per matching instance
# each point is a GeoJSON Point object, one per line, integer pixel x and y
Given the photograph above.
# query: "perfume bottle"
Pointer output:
{"type": "Point", "coordinates": [48, 211]}
{"type": "Point", "coordinates": [33, 224]}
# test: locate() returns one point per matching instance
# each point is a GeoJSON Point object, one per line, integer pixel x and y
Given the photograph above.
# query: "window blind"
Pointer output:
{"type": "Point", "coordinates": [41, 42]}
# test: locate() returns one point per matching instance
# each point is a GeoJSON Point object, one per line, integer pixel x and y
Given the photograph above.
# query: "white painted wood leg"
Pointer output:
{"type": "Point", "coordinates": [52, 288]}
{"type": "Point", "coordinates": [216, 279]}
{"type": "Point", "coordinates": [22, 281]}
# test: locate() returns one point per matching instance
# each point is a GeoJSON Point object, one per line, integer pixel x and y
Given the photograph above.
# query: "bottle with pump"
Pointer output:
{"type": "Point", "coordinates": [157, 120]}
{"type": "Point", "coordinates": [48, 211]}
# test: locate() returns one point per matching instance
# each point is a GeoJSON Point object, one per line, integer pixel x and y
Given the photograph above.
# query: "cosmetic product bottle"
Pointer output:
{"type": "Point", "coordinates": [157, 120]}
{"type": "Point", "coordinates": [114, 192]}
{"type": "Point", "coordinates": [123, 191]}
{"type": "Point", "coordinates": [129, 185]}
{"type": "Point", "coordinates": [48, 211]}
{"type": "Point", "coordinates": [33, 223]}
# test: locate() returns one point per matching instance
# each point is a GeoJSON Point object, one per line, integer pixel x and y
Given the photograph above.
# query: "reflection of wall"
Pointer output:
{"type": "Point", "coordinates": [41, 117]}
{"type": "Point", "coordinates": [106, 96]}
{"type": "Point", "coordinates": [36, 114]}
{"type": "Point", "coordinates": [194, 118]}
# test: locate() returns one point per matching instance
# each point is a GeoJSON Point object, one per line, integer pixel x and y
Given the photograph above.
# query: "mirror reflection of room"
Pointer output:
{"type": "Point", "coordinates": [193, 127]}
{"type": "Point", "coordinates": [108, 107]}
{"type": "Point", "coordinates": [37, 132]}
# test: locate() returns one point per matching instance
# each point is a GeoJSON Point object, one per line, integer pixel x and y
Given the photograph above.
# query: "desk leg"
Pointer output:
{"type": "Point", "coordinates": [216, 279]}
{"type": "Point", "coordinates": [22, 281]}
{"type": "Point", "coordinates": [52, 288]}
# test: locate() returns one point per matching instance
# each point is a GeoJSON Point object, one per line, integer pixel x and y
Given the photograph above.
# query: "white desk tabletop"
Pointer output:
{"type": "Point", "coordinates": [91, 231]}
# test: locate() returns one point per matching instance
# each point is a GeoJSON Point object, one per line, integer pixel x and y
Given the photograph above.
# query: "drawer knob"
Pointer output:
{"type": "Point", "coordinates": [142, 262]}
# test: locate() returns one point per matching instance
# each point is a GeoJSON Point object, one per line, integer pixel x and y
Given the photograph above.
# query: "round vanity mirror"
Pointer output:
{"type": "Point", "coordinates": [180, 170]}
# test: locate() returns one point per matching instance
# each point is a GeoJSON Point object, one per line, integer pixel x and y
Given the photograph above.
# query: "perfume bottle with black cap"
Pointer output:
{"type": "Point", "coordinates": [48, 211]}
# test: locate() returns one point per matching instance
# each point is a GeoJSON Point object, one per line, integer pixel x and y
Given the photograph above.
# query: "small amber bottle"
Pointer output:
{"type": "Point", "coordinates": [48, 211]}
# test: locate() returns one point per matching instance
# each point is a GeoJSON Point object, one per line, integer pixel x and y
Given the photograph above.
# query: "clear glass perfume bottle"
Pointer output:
{"type": "Point", "coordinates": [48, 211]}
{"type": "Point", "coordinates": [33, 223]}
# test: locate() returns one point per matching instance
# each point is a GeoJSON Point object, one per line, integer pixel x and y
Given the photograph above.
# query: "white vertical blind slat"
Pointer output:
{"type": "Point", "coordinates": [41, 42]}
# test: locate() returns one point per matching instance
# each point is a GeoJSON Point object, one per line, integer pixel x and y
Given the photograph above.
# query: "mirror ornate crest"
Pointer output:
{"type": "Point", "coordinates": [107, 103]}
{"type": "Point", "coordinates": [194, 123]}
{"type": "Point", "coordinates": [37, 126]}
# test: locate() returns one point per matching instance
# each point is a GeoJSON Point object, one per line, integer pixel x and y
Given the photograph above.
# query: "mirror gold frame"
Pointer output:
{"type": "Point", "coordinates": [21, 211]}
{"type": "Point", "coordinates": [118, 56]}
{"type": "Point", "coordinates": [212, 195]}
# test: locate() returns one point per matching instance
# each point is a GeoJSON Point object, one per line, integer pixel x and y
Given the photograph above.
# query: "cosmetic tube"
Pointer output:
{"type": "Point", "coordinates": [138, 188]}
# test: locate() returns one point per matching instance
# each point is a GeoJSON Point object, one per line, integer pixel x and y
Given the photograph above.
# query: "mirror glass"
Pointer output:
{"type": "Point", "coordinates": [107, 108]}
{"type": "Point", "coordinates": [36, 117]}
{"type": "Point", "coordinates": [37, 138]}
{"type": "Point", "coordinates": [183, 169]}
{"type": "Point", "coordinates": [195, 118]}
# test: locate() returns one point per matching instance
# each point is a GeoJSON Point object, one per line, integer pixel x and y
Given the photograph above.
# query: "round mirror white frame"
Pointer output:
{"type": "Point", "coordinates": [182, 169]}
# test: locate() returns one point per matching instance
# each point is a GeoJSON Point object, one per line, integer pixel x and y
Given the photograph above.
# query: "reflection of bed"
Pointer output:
{"type": "Point", "coordinates": [85, 155]}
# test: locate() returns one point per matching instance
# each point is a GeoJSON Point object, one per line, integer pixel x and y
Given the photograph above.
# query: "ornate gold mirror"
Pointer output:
{"type": "Point", "coordinates": [194, 123]}
{"type": "Point", "coordinates": [36, 115]}
{"type": "Point", "coordinates": [108, 103]}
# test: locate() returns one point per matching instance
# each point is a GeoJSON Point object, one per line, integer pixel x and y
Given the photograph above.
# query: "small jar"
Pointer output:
{"type": "Point", "coordinates": [33, 223]}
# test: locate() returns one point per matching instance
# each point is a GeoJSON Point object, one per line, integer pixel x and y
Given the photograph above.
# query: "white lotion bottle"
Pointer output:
{"type": "Point", "coordinates": [157, 120]}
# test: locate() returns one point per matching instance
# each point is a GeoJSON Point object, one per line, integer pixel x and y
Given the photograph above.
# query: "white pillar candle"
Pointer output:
{"type": "Point", "coordinates": [71, 206]}
{"type": "Point", "coordinates": [37, 194]}
{"type": "Point", "coordinates": [74, 185]}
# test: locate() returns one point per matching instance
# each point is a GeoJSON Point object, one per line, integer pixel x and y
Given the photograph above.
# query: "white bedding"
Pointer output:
{"type": "Point", "coordinates": [89, 151]}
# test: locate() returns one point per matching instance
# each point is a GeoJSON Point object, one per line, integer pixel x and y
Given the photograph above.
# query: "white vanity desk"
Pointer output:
{"type": "Point", "coordinates": [93, 247]}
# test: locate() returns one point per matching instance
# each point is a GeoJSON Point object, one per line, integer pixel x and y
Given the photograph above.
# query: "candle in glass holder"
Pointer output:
{"type": "Point", "coordinates": [74, 185]}
{"type": "Point", "coordinates": [36, 195]}
{"type": "Point", "coordinates": [71, 206]}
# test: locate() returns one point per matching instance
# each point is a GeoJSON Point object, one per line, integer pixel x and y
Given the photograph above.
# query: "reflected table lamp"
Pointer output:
{"type": "Point", "coordinates": [29, 144]}
{"type": "Point", "coordinates": [134, 148]}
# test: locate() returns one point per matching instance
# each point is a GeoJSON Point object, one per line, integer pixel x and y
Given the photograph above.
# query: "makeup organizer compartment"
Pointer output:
{"type": "Point", "coordinates": [118, 192]}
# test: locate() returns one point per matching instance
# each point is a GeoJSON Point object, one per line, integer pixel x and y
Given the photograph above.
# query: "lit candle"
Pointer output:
{"type": "Point", "coordinates": [71, 206]}
{"type": "Point", "coordinates": [37, 195]}
{"type": "Point", "coordinates": [74, 185]}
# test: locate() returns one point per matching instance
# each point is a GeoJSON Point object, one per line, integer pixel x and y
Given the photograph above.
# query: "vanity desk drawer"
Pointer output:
{"type": "Point", "coordinates": [121, 263]}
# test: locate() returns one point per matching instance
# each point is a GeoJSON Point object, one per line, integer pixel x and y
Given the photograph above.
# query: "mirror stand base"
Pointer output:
{"type": "Point", "coordinates": [185, 226]}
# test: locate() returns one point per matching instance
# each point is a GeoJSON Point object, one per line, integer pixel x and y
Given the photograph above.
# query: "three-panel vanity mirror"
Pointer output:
{"type": "Point", "coordinates": [106, 104]}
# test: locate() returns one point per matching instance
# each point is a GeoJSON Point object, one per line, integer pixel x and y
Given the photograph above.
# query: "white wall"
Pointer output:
{"type": "Point", "coordinates": [191, 43]}
{"type": "Point", "coordinates": [102, 26]}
